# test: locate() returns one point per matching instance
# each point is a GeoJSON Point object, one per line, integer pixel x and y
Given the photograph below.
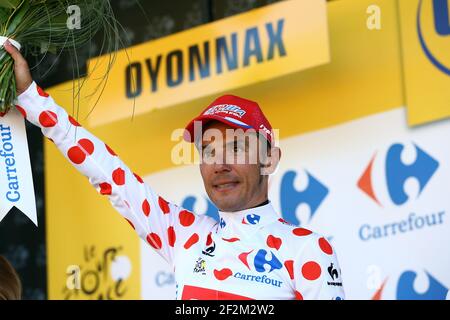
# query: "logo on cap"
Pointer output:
{"type": "Point", "coordinates": [229, 109]}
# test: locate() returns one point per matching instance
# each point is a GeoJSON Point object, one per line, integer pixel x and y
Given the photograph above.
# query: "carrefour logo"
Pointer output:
{"type": "Point", "coordinates": [442, 28]}
{"type": "Point", "coordinates": [405, 288]}
{"type": "Point", "coordinates": [261, 261]}
{"type": "Point", "coordinates": [251, 219]}
{"type": "Point", "coordinates": [397, 173]}
{"type": "Point", "coordinates": [291, 198]}
{"type": "Point", "coordinates": [386, 180]}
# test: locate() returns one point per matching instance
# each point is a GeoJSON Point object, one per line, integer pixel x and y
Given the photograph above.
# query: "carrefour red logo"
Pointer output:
{"type": "Point", "coordinates": [396, 174]}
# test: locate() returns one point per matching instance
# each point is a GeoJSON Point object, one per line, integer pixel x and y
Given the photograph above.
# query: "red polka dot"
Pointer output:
{"type": "Point", "coordinates": [2, 114]}
{"type": "Point", "coordinates": [311, 270]}
{"type": "Point", "coordinates": [74, 122]}
{"type": "Point", "coordinates": [230, 239]}
{"type": "Point", "coordinates": [48, 119]}
{"type": "Point", "coordinates": [118, 176]}
{"type": "Point", "coordinates": [222, 274]}
{"type": "Point", "coordinates": [298, 296]}
{"type": "Point", "coordinates": [154, 240]}
{"type": "Point", "coordinates": [22, 111]}
{"type": "Point", "coordinates": [138, 178]}
{"type": "Point", "coordinates": [171, 236]}
{"type": "Point", "coordinates": [41, 92]}
{"type": "Point", "coordinates": [209, 239]}
{"type": "Point", "coordinates": [105, 188]}
{"type": "Point", "coordinates": [76, 155]}
{"type": "Point", "coordinates": [274, 242]}
{"type": "Point", "coordinates": [131, 223]}
{"type": "Point", "coordinates": [86, 145]}
{"type": "Point", "coordinates": [191, 241]}
{"type": "Point", "coordinates": [111, 151]}
{"type": "Point", "coordinates": [146, 207]}
{"type": "Point", "coordinates": [289, 264]}
{"type": "Point", "coordinates": [163, 205]}
{"type": "Point", "coordinates": [186, 218]}
{"type": "Point", "coordinates": [301, 232]}
{"type": "Point", "coordinates": [325, 246]}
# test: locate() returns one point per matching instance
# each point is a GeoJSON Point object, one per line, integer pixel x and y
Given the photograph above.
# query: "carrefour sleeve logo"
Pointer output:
{"type": "Point", "coordinates": [442, 28]}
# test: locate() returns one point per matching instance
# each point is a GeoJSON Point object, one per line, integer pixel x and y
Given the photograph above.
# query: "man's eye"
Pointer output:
{"type": "Point", "coordinates": [208, 152]}
{"type": "Point", "coordinates": [238, 148]}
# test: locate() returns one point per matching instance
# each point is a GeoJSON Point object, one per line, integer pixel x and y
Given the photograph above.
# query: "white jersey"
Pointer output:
{"type": "Point", "coordinates": [250, 254]}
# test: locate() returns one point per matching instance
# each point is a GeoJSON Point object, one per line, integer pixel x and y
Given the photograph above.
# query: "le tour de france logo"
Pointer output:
{"type": "Point", "coordinates": [429, 39]}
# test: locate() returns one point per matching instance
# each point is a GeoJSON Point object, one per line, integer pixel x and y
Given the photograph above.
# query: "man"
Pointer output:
{"type": "Point", "coordinates": [251, 253]}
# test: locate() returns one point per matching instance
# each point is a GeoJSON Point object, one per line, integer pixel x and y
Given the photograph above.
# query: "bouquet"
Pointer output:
{"type": "Point", "coordinates": [41, 27]}
{"type": "Point", "coordinates": [52, 26]}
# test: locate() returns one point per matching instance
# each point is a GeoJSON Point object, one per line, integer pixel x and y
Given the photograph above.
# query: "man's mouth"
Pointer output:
{"type": "Point", "coordinates": [225, 186]}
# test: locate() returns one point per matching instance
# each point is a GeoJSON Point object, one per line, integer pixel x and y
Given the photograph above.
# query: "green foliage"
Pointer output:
{"type": "Point", "coordinates": [49, 23]}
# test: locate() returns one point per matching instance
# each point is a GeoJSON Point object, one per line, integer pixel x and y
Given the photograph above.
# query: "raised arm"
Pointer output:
{"type": "Point", "coordinates": [165, 226]}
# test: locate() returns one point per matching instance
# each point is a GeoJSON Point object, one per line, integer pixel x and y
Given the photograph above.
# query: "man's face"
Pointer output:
{"type": "Point", "coordinates": [230, 168]}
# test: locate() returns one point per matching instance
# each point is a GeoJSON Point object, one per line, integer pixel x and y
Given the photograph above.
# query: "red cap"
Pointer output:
{"type": "Point", "coordinates": [235, 111]}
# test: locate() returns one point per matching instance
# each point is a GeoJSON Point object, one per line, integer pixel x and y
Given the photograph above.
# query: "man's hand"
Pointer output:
{"type": "Point", "coordinates": [21, 70]}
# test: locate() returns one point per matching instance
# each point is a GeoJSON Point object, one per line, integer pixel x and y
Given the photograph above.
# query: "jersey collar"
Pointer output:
{"type": "Point", "coordinates": [246, 222]}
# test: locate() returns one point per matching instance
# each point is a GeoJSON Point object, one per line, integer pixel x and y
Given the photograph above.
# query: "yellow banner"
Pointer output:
{"type": "Point", "coordinates": [425, 33]}
{"type": "Point", "coordinates": [245, 49]}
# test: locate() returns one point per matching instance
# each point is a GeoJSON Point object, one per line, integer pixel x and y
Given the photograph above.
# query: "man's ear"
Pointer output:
{"type": "Point", "coordinates": [271, 162]}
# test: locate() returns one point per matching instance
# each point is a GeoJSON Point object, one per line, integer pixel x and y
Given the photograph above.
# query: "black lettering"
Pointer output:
{"type": "Point", "coordinates": [222, 49]}
{"type": "Point", "coordinates": [275, 39]}
{"type": "Point", "coordinates": [252, 46]}
{"type": "Point", "coordinates": [195, 58]}
{"type": "Point", "coordinates": [133, 82]}
{"type": "Point", "coordinates": [178, 56]}
{"type": "Point", "coordinates": [153, 71]}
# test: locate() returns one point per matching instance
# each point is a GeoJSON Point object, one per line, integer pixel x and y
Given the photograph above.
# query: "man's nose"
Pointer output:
{"type": "Point", "coordinates": [221, 167]}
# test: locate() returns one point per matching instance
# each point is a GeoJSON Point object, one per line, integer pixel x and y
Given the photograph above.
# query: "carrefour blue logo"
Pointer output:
{"type": "Point", "coordinates": [406, 291]}
{"type": "Point", "coordinates": [261, 261]}
{"type": "Point", "coordinates": [251, 219]}
{"type": "Point", "coordinates": [290, 198]}
{"type": "Point", "coordinates": [442, 27]}
{"type": "Point", "coordinates": [397, 172]}
{"type": "Point", "coordinates": [405, 288]}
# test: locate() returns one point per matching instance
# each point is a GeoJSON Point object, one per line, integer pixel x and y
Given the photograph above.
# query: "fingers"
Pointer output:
{"type": "Point", "coordinates": [15, 54]}
{"type": "Point", "coordinates": [21, 70]}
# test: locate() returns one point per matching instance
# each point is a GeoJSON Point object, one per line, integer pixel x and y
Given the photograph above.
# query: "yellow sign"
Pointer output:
{"type": "Point", "coordinates": [425, 34]}
{"type": "Point", "coordinates": [245, 49]}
